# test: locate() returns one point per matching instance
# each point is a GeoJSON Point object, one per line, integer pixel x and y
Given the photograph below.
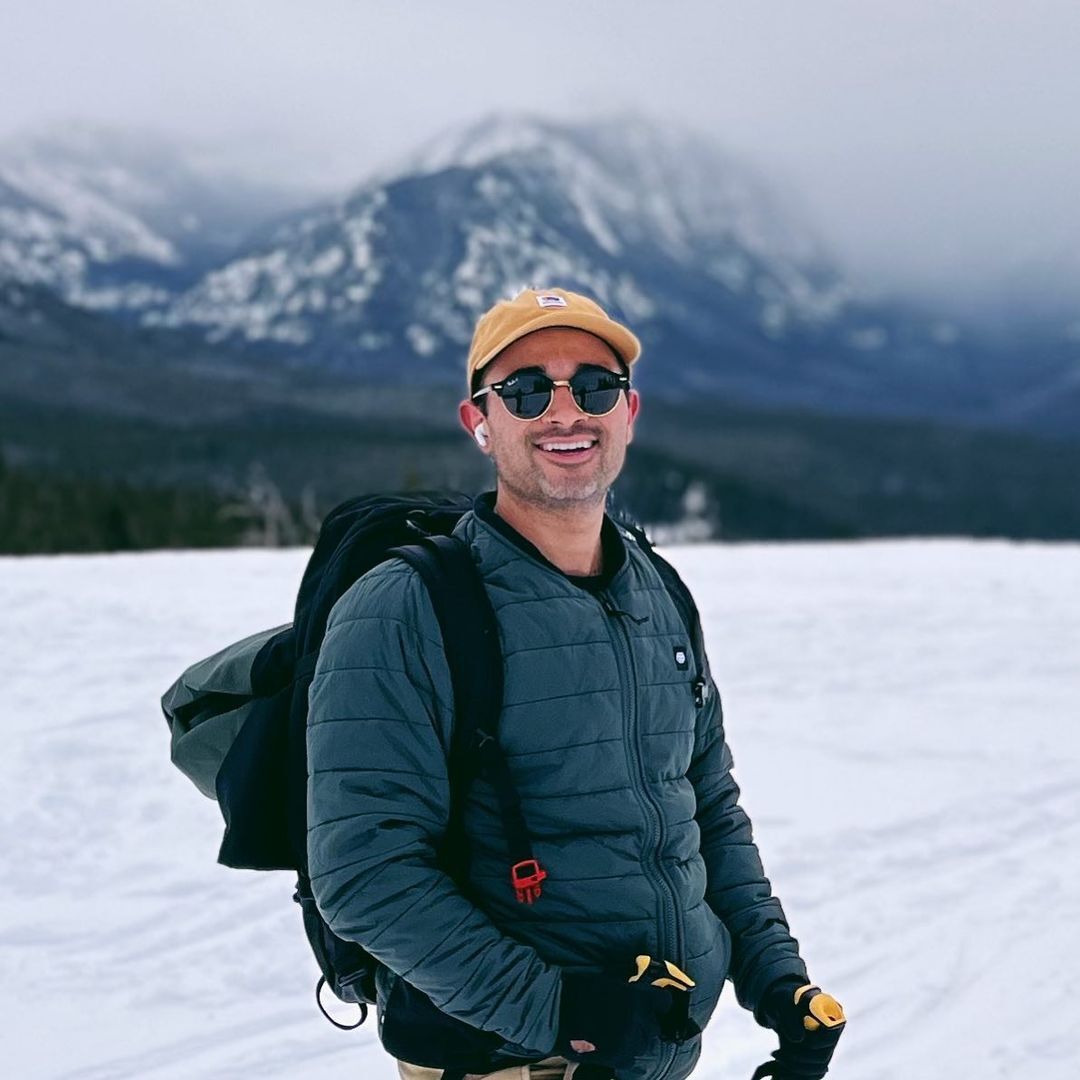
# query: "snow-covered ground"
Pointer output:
{"type": "Point", "coordinates": [904, 721]}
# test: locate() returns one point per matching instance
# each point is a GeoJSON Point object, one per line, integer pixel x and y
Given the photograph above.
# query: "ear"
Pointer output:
{"type": "Point", "coordinates": [471, 418]}
{"type": "Point", "coordinates": [633, 401]}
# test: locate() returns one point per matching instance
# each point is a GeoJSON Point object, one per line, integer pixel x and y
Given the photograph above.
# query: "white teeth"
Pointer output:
{"type": "Point", "coordinates": [556, 446]}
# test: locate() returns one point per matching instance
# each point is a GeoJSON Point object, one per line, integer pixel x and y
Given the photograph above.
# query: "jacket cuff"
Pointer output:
{"type": "Point", "coordinates": [783, 989]}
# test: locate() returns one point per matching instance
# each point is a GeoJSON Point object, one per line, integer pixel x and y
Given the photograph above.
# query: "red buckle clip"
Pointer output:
{"type": "Point", "coordinates": [526, 876]}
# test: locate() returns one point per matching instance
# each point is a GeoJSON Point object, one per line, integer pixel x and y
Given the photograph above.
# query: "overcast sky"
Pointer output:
{"type": "Point", "coordinates": [933, 141]}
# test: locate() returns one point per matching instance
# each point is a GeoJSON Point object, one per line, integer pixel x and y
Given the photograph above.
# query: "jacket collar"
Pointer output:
{"type": "Point", "coordinates": [612, 544]}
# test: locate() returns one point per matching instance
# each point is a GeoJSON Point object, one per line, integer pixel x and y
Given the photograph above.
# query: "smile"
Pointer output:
{"type": "Point", "coordinates": [567, 449]}
{"type": "Point", "coordinates": [566, 446]}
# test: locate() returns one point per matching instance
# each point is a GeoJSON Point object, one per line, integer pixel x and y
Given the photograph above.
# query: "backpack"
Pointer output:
{"type": "Point", "coordinates": [238, 718]}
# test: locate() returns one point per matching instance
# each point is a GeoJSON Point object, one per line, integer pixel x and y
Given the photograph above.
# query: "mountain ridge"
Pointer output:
{"type": "Point", "coordinates": [734, 297]}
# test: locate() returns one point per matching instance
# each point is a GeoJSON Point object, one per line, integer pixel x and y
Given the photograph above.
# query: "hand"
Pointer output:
{"type": "Point", "coordinates": [809, 1024]}
{"type": "Point", "coordinates": [608, 1021]}
{"type": "Point", "coordinates": [677, 1026]}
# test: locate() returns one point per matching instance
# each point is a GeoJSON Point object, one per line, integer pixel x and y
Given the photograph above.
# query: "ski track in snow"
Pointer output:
{"type": "Point", "coordinates": [902, 715]}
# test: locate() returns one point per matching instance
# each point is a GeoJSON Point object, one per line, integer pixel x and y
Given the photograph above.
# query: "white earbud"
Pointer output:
{"type": "Point", "coordinates": [481, 435]}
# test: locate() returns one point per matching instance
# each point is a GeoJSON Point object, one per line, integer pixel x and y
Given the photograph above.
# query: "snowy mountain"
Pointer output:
{"type": "Point", "coordinates": [118, 221]}
{"type": "Point", "coordinates": [732, 294]}
{"type": "Point", "coordinates": [899, 714]}
{"type": "Point", "coordinates": [660, 226]}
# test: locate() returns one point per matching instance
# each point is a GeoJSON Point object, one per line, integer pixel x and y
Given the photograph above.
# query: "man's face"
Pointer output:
{"type": "Point", "coordinates": [524, 467]}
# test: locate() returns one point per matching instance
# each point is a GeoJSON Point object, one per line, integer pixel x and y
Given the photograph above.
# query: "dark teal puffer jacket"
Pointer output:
{"type": "Point", "coordinates": [625, 784]}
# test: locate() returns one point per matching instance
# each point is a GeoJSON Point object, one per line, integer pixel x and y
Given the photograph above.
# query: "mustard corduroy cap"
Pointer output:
{"type": "Point", "coordinates": [533, 309]}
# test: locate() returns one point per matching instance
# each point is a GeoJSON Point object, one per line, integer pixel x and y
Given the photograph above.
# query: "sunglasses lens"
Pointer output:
{"type": "Point", "coordinates": [526, 395]}
{"type": "Point", "coordinates": [596, 390]}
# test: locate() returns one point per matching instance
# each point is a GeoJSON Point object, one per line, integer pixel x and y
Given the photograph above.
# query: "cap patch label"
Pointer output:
{"type": "Point", "coordinates": [550, 300]}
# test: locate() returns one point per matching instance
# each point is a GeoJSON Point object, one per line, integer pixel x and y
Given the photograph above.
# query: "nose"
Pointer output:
{"type": "Point", "coordinates": [564, 408]}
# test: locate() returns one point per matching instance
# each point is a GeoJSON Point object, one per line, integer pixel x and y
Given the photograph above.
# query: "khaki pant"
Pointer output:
{"type": "Point", "coordinates": [552, 1068]}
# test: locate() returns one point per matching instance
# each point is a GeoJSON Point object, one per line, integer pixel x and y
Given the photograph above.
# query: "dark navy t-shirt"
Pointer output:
{"type": "Point", "coordinates": [613, 553]}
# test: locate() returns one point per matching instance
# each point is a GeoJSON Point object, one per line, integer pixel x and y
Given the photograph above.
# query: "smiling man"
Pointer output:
{"type": "Point", "coordinates": [653, 892]}
{"type": "Point", "coordinates": [558, 437]}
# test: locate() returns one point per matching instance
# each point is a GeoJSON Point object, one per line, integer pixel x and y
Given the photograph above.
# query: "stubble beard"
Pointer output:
{"type": "Point", "coordinates": [535, 487]}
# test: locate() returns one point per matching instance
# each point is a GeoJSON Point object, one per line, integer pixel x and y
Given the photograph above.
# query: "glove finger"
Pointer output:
{"type": "Point", "coordinates": [681, 978]}
{"type": "Point", "coordinates": [824, 1010]}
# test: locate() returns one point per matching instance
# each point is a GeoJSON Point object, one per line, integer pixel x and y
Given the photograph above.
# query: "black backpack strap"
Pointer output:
{"type": "Point", "coordinates": [471, 640]}
{"type": "Point", "coordinates": [684, 601]}
{"type": "Point", "coordinates": [526, 874]}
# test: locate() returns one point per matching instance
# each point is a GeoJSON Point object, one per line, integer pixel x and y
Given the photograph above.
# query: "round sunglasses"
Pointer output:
{"type": "Point", "coordinates": [528, 394]}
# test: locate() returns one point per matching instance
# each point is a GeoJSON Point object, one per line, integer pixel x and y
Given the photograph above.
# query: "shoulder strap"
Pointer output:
{"type": "Point", "coordinates": [470, 637]}
{"type": "Point", "coordinates": [471, 640]}
{"type": "Point", "coordinates": [684, 601]}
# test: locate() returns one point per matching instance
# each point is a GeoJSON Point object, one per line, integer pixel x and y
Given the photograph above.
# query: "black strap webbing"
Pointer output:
{"type": "Point", "coordinates": [684, 601]}
{"type": "Point", "coordinates": [471, 640]}
{"type": "Point", "coordinates": [493, 762]}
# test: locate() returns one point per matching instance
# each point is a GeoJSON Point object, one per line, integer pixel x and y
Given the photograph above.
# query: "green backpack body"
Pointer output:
{"type": "Point", "coordinates": [207, 706]}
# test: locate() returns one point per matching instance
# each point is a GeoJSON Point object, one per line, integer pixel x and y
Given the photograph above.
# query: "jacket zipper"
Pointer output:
{"type": "Point", "coordinates": [665, 890]}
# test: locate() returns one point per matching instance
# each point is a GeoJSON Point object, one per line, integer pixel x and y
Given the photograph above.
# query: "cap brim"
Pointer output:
{"type": "Point", "coordinates": [615, 334]}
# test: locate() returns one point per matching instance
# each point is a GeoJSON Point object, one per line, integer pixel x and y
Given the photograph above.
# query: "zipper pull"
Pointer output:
{"type": "Point", "coordinates": [701, 691]}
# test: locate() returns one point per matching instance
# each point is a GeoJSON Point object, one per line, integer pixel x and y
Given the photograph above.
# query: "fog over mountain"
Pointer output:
{"type": "Point", "coordinates": [932, 143]}
{"type": "Point", "coordinates": [114, 219]}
